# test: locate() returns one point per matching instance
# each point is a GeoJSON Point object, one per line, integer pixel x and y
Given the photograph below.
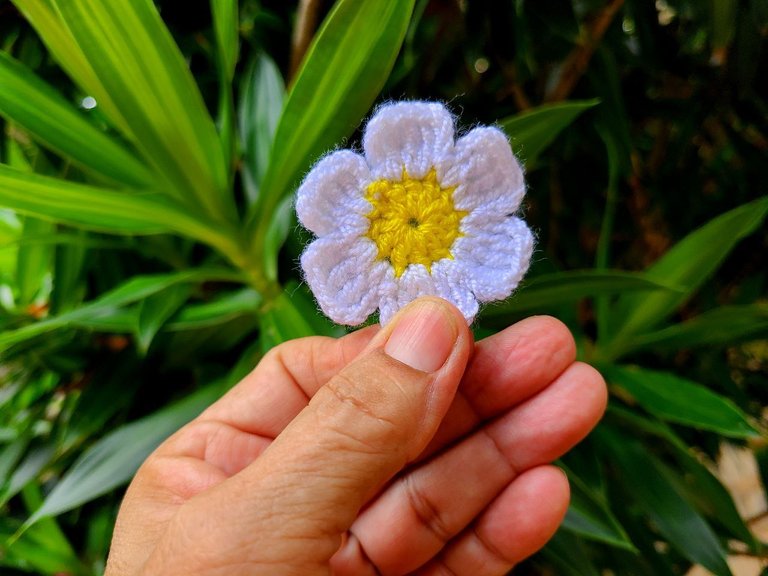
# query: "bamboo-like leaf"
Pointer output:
{"type": "Point", "coordinates": [550, 290]}
{"type": "Point", "coordinates": [33, 263]}
{"type": "Point", "coordinates": [261, 101]}
{"type": "Point", "coordinates": [156, 310]}
{"type": "Point", "coordinates": [225, 25]}
{"type": "Point", "coordinates": [344, 70]}
{"type": "Point", "coordinates": [533, 130]}
{"type": "Point", "coordinates": [703, 486]}
{"type": "Point", "coordinates": [676, 399]}
{"type": "Point", "coordinates": [689, 263]}
{"type": "Point", "coordinates": [44, 17]}
{"type": "Point", "coordinates": [282, 322]}
{"type": "Point", "coordinates": [44, 113]}
{"type": "Point", "coordinates": [97, 208]}
{"type": "Point", "coordinates": [134, 290]}
{"type": "Point", "coordinates": [136, 60]}
{"type": "Point", "coordinates": [650, 482]}
{"type": "Point", "coordinates": [724, 325]}
{"type": "Point", "coordinates": [114, 459]}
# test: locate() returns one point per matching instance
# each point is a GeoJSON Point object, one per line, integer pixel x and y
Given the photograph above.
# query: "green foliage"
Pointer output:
{"type": "Point", "coordinates": [148, 157]}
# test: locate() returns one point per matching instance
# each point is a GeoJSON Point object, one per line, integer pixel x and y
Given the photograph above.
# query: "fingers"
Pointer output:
{"type": "Point", "coordinates": [417, 515]}
{"type": "Point", "coordinates": [506, 369]}
{"type": "Point", "coordinates": [284, 381]}
{"type": "Point", "coordinates": [517, 524]}
{"type": "Point", "coordinates": [292, 504]}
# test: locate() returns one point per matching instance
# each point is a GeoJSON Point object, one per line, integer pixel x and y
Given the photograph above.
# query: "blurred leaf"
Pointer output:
{"type": "Point", "coordinates": [219, 311]}
{"type": "Point", "coordinates": [534, 130]}
{"type": "Point", "coordinates": [136, 289]}
{"type": "Point", "coordinates": [114, 459]}
{"type": "Point", "coordinates": [43, 112]}
{"type": "Point", "coordinates": [723, 22]}
{"type": "Point", "coordinates": [689, 263]}
{"type": "Point", "coordinates": [26, 470]}
{"type": "Point", "coordinates": [261, 101]}
{"type": "Point", "coordinates": [648, 480]}
{"type": "Point", "coordinates": [44, 17]}
{"type": "Point", "coordinates": [568, 554]}
{"type": "Point", "coordinates": [94, 208]}
{"type": "Point", "coordinates": [726, 325]}
{"type": "Point", "coordinates": [282, 322]}
{"type": "Point", "coordinates": [589, 516]}
{"type": "Point", "coordinates": [136, 60]}
{"type": "Point", "coordinates": [69, 260]}
{"type": "Point", "coordinates": [33, 263]}
{"type": "Point", "coordinates": [676, 399]}
{"type": "Point", "coordinates": [225, 25]}
{"type": "Point", "coordinates": [550, 290]}
{"type": "Point", "coordinates": [334, 88]}
{"type": "Point", "coordinates": [155, 310]}
{"type": "Point", "coordinates": [703, 487]}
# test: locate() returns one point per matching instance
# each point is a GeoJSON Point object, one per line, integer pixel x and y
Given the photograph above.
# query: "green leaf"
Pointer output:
{"type": "Point", "coordinates": [590, 517]}
{"type": "Point", "coordinates": [33, 263]}
{"type": "Point", "coordinates": [225, 25]}
{"type": "Point", "coordinates": [44, 17]}
{"type": "Point", "coordinates": [678, 400]}
{"type": "Point", "coordinates": [136, 60]}
{"type": "Point", "coordinates": [534, 130]}
{"type": "Point", "coordinates": [688, 264]}
{"type": "Point", "coordinates": [551, 290]}
{"type": "Point", "coordinates": [113, 460]}
{"type": "Point", "coordinates": [568, 554]}
{"type": "Point", "coordinates": [281, 322]}
{"type": "Point", "coordinates": [98, 208]}
{"type": "Point", "coordinates": [134, 290]}
{"type": "Point", "coordinates": [44, 113]}
{"type": "Point", "coordinates": [726, 325]}
{"type": "Point", "coordinates": [651, 484]}
{"type": "Point", "coordinates": [155, 310]}
{"type": "Point", "coordinates": [344, 69]}
{"type": "Point", "coordinates": [261, 101]}
{"type": "Point", "coordinates": [703, 487]}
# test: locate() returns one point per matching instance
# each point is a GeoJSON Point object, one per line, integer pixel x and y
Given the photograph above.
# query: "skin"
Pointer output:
{"type": "Point", "coordinates": [407, 449]}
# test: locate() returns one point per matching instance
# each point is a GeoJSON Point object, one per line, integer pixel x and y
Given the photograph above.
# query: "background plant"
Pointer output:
{"type": "Point", "coordinates": [148, 258]}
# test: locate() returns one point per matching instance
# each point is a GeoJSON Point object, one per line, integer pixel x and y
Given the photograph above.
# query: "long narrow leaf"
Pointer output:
{"type": "Point", "coordinates": [114, 459]}
{"type": "Point", "coordinates": [344, 70]}
{"type": "Point", "coordinates": [97, 208]}
{"type": "Point", "coordinates": [648, 480]}
{"type": "Point", "coordinates": [676, 399]}
{"type": "Point", "coordinates": [558, 288]}
{"type": "Point", "coordinates": [140, 66]}
{"type": "Point", "coordinates": [533, 130]}
{"type": "Point", "coordinates": [134, 290]}
{"type": "Point", "coordinates": [724, 325]}
{"type": "Point", "coordinates": [38, 108]}
{"type": "Point", "coordinates": [689, 263]}
{"type": "Point", "coordinates": [44, 17]}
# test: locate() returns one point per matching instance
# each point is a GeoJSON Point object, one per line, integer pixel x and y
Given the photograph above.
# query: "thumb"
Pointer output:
{"type": "Point", "coordinates": [294, 503]}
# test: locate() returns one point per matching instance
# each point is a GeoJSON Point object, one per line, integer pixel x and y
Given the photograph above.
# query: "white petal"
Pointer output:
{"type": "Point", "coordinates": [495, 258]}
{"type": "Point", "coordinates": [344, 277]}
{"type": "Point", "coordinates": [452, 284]}
{"type": "Point", "coordinates": [447, 280]}
{"type": "Point", "coordinates": [332, 196]}
{"type": "Point", "coordinates": [411, 135]}
{"type": "Point", "coordinates": [484, 171]}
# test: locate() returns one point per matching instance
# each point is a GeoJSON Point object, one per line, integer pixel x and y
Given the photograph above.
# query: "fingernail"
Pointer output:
{"type": "Point", "coordinates": [424, 335]}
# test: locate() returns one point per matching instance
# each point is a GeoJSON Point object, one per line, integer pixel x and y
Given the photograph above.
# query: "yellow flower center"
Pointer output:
{"type": "Point", "coordinates": [413, 221]}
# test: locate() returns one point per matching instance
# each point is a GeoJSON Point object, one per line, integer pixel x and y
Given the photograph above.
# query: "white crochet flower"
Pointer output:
{"type": "Point", "coordinates": [417, 214]}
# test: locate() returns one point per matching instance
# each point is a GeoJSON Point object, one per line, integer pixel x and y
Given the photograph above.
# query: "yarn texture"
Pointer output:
{"type": "Point", "coordinates": [418, 213]}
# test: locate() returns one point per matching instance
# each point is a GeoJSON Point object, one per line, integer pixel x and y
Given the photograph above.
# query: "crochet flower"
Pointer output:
{"type": "Point", "coordinates": [419, 213]}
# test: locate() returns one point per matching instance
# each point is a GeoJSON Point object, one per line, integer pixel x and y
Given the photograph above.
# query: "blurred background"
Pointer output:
{"type": "Point", "coordinates": [148, 250]}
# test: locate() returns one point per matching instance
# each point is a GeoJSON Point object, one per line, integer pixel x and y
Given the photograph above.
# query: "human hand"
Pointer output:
{"type": "Point", "coordinates": [402, 450]}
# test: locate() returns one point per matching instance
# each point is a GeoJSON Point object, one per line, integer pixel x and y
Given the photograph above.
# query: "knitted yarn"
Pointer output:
{"type": "Point", "coordinates": [418, 213]}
